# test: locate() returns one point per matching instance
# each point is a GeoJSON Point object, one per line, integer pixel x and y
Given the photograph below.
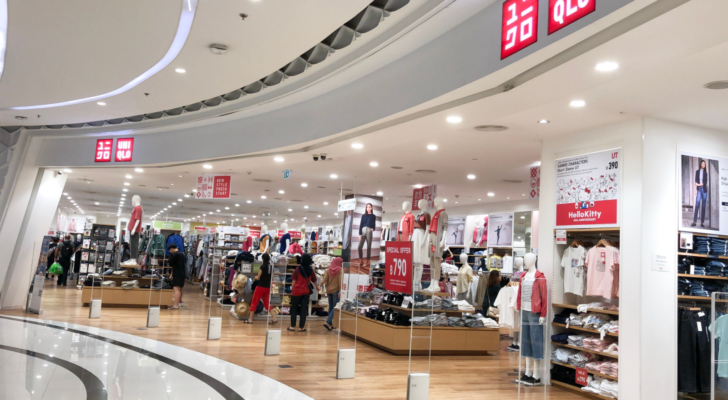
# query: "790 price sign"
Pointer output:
{"type": "Point", "coordinates": [398, 267]}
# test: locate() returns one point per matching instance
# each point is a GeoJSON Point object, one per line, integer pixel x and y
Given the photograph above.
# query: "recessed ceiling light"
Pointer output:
{"type": "Point", "coordinates": [249, 201]}
{"type": "Point", "coordinates": [577, 103]}
{"type": "Point", "coordinates": [187, 195]}
{"type": "Point", "coordinates": [304, 184]}
{"type": "Point", "coordinates": [218, 210]}
{"type": "Point", "coordinates": [305, 206]}
{"type": "Point", "coordinates": [334, 176]}
{"type": "Point", "coordinates": [480, 199]}
{"type": "Point", "coordinates": [68, 171]}
{"type": "Point", "coordinates": [607, 66]}
{"type": "Point", "coordinates": [138, 170]}
{"type": "Point", "coordinates": [454, 119]}
{"type": "Point", "coordinates": [180, 200]}
{"type": "Point", "coordinates": [211, 212]}
{"type": "Point", "coordinates": [207, 166]}
{"type": "Point", "coordinates": [523, 194]}
{"type": "Point", "coordinates": [126, 183]}
{"type": "Point", "coordinates": [237, 205]}
{"type": "Point", "coordinates": [326, 203]}
{"type": "Point", "coordinates": [278, 159]}
{"type": "Point", "coordinates": [65, 194]}
{"type": "Point", "coordinates": [290, 209]}
{"type": "Point", "coordinates": [471, 176]}
{"type": "Point", "coordinates": [281, 191]}
{"type": "Point", "coordinates": [508, 198]}
{"type": "Point", "coordinates": [128, 177]}
{"type": "Point", "coordinates": [380, 193]}
{"type": "Point", "coordinates": [373, 164]}
{"type": "Point", "coordinates": [431, 147]}
{"type": "Point", "coordinates": [101, 103]}
{"type": "Point", "coordinates": [124, 190]}
{"type": "Point", "coordinates": [180, 70]}
{"type": "Point", "coordinates": [491, 194]}
{"type": "Point", "coordinates": [523, 217]}
{"type": "Point", "coordinates": [262, 197]}
{"type": "Point", "coordinates": [337, 214]}
{"type": "Point", "coordinates": [418, 186]}
{"type": "Point", "coordinates": [357, 146]}
{"type": "Point", "coordinates": [318, 216]}
{"type": "Point", "coordinates": [543, 121]}
{"type": "Point", "coordinates": [194, 190]}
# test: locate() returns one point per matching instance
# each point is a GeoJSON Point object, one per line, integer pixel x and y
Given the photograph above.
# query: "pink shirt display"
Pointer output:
{"type": "Point", "coordinates": [136, 215]}
{"type": "Point", "coordinates": [406, 226]}
{"type": "Point", "coordinates": [602, 277]}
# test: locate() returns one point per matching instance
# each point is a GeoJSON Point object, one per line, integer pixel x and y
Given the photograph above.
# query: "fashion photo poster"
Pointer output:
{"type": "Point", "coordinates": [475, 231]}
{"type": "Point", "coordinates": [500, 230]}
{"type": "Point", "coordinates": [455, 232]}
{"type": "Point", "coordinates": [703, 193]}
{"type": "Point", "coordinates": [366, 233]}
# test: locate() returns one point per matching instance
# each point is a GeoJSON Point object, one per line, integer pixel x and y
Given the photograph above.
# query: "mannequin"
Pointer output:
{"type": "Point", "coordinates": [518, 264]}
{"type": "Point", "coordinates": [533, 315]}
{"type": "Point", "coordinates": [419, 243]}
{"type": "Point", "coordinates": [436, 244]}
{"type": "Point", "coordinates": [265, 239]}
{"type": "Point", "coordinates": [465, 277]}
{"type": "Point", "coordinates": [406, 223]}
{"type": "Point", "coordinates": [135, 225]}
{"type": "Point", "coordinates": [285, 239]}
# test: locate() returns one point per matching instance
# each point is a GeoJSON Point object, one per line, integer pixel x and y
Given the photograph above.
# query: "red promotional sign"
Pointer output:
{"type": "Point", "coordinates": [103, 150]}
{"type": "Point", "coordinates": [255, 234]}
{"type": "Point", "coordinates": [200, 228]}
{"type": "Point", "coordinates": [520, 26]}
{"type": "Point", "coordinates": [581, 376]}
{"type": "Point", "coordinates": [398, 267]}
{"type": "Point", "coordinates": [213, 187]}
{"type": "Point", "coordinates": [221, 190]}
{"type": "Point", "coordinates": [428, 193]}
{"type": "Point", "coordinates": [563, 13]}
{"type": "Point", "coordinates": [587, 213]}
{"type": "Point", "coordinates": [124, 149]}
{"type": "Point", "coordinates": [295, 234]}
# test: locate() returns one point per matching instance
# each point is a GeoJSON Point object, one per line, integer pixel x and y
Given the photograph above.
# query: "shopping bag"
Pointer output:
{"type": "Point", "coordinates": [55, 269]}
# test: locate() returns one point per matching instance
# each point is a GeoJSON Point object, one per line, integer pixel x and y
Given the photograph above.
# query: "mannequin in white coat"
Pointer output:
{"type": "Point", "coordinates": [437, 233]}
{"type": "Point", "coordinates": [287, 240]}
{"type": "Point", "coordinates": [533, 366]}
{"type": "Point", "coordinates": [465, 277]}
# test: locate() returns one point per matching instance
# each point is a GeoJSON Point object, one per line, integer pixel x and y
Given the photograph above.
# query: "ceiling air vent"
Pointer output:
{"type": "Point", "coordinates": [425, 171]}
{"type": "Point", "coordinates": [262, 180]}
{"type": "Point", "coordinates": [491, 128]}
{"type": "Point", "coordinates": [396, 167]}
{"type": "Point", "coordinates": [296, 201]}
{"type": "Point", "coordinates": [512, 181]}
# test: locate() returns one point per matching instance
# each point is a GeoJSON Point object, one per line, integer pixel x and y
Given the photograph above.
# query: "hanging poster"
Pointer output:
{"type": "Point", "coordinates": [500, 230]}
{"type": "Point", "coordinates": [703, 191]}
{"type": "Point", "coordinates": [455, 232]}
{"type": "Point", "coordinates": [588, 190]}
{"type": "Point", "coordinates": [213, 187]}
{"type": "Point", "coordinates": [362, 233]}
{"type": "Point", "coordinates": [428, 193]}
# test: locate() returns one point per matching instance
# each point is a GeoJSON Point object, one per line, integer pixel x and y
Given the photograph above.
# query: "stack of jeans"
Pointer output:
{"type": "Point", "coordinates": [716, 268]}
{"type": "Point", "coordinates": [683, 287]}
{"type": "Point", "coordinates": [718, 246]}
{"type": "Point", "coordinates": [714, 287]}
{"type": "Point", "coordinates": [701, 244]}
{"type": "Point", "coordinates": [683, 265]}
{"type": "Point", "coordinates": [697, 288]}
{"type": "Point", "coordinates": [699, 270]}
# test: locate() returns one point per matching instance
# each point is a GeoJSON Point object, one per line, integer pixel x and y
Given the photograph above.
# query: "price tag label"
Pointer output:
{"type": "Point", "coordinates": [398, 267]}
{"type": "Point", "coordinates": [561, 237]}
{"type": "Point", "coordinates": [246, 268]}
{"type": "Point", "coordinates": [581, 376]}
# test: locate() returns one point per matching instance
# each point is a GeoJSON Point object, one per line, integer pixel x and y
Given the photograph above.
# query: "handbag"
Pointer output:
{"type": "Point", "coordinates": [55, 269]}
{"type": "Point", "coordinates": [492, 312]}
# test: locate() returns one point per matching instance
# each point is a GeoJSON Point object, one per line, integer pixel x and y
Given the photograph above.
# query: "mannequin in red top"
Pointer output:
{"type": "Point", "coordinates": [532, 332]}
{"type": "Point", "coordinates": [406, 223]}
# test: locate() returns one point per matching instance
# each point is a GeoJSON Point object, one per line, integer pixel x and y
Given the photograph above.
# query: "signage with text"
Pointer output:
{"type": "Point", "coordinates": [398, 276]}
{"type": "Point", "coordinates": [168, 225]}
{"type": "Point", "coordinates": [286, 174]}
{"type": "Point", "coordinates": [124, 150]}
{"type": "Point", "coordinates": [588, 190]}
{"type": "Point", "coordinates": [563, 13]}
{"type": "Point", "coordinates": [428, 193]}
{"type": "Point", "coordinates": [347, 204]}
{"type": "Point", "coordinates": [103, 150]}
{"type": "Point", "coordinates": [255, 234]}
{"type": "Point", "coordinates": [581, 376]}
{"type": "Point", "coordinates": [520, 26]}
{"type": "Point", "coordinates": [535, 186]}
{"type": "Point", "coordinates": [295, 234]}
{"type": "Point", "coordinates": [213, 187]}
{"type": "Point", "coordinates": [200, 228]}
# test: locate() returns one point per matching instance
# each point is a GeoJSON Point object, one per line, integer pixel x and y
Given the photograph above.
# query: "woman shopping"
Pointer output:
{"type": "Point", "coordinates": [262, 290]}
{"type": "Point", "coordinates": [303, 284]}
{"type": "Point", "coordinates": [332, 282]}
{"type": "Point", "coordinates": [491, 290]}
{"type": "Point", "coordinates": [367, 225]}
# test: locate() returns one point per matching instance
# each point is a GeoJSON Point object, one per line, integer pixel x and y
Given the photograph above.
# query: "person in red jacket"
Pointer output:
{"type": "Point", "coordinates": [301, 292]}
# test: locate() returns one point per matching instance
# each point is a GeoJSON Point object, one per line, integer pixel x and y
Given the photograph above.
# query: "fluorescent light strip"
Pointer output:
{"type": "Point", "coordinates": [3, 33]}
{"type": "Point", "coordinates": [183, 31]}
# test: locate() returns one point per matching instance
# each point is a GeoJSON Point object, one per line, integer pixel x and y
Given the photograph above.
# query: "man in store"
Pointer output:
{"type": "Point", "coordinates": [177, 262]}
{"type": "Point", "coordinates": [64, 252]}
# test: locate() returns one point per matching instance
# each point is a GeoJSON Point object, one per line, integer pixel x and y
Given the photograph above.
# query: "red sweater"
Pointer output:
{"type": "Point", "coordinates": [301, 286]}
{"type": "Point", "coordinates": [539, 300]}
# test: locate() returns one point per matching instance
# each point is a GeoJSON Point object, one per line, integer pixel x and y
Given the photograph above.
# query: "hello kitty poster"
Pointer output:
{"type": "Point", "coordinates": [588, 190]}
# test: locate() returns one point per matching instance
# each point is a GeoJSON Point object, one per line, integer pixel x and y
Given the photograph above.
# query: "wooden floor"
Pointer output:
{"type": "Point", "coordinates": [379, 375]}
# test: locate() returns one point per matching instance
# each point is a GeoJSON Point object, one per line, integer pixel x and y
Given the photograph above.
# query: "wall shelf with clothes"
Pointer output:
{"type": "Point", "coordinates": [585, 305]}
{"type": "Point", "coordinates": [97, 253]}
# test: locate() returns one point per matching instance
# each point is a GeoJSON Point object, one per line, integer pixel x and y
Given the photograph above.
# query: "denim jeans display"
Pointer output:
{"type": "Point", "coordinates": [701, 244]}
{"type": "Point", "coordinates": [531, 335]}
{"type": "Point", "coordinates": [683, 287]}
{"type": "Point", "coordinates": [701, 198]}
{"type": "Point", "coordinates": [693, 356]}
{"type": "Point", "coordinates": [697, 288]}
{"type": "Point", "coordinates": [718, 246]}
{"type": "Point", "coordinates": [716, 268]}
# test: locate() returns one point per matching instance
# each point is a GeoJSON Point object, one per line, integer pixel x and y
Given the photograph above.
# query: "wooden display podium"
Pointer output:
{"type": "Point", "coordinates": [116, 296]}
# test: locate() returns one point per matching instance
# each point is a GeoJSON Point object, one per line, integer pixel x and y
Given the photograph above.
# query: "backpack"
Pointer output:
{"type": "Point", "coordinates": [66, 250]}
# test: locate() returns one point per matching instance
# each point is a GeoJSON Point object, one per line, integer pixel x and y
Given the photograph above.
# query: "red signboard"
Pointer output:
{"type": "Point", "coordinates": [581, 376]}
{"type": "Point", "coordinates": [520, 26]}
{"type": "Point", "coordinates": [295, 234]}
{"type": "Point", "coordinates": [428, 193]}
{"type": "Point", "coordinates": [221, 190]}
{"type": "Point", "coordinates": [587, 213]}
{"type": "Point", "coordinates": [103, 150]}
{"type": "Point", "coordinates": [563, 13]}
{"type": "Point", "coordinates": [124, 149]}
{"type": "Point", "coordinates": [213, 187]}
{"type": "Point", "coordinates": [255, 234]}
{"type": "Point", "coordinates": [398, 267]}
{"type": "Point", "coordinates": [200, 228]}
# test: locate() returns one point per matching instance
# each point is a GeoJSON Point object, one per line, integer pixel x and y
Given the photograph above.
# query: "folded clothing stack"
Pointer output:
{"type": "Point", "coordinates": [576, 340]}
{"type": "Point", "coordinates": [473, 322]}
{"type": "Point", "coordinates": [464, 306]}
{"type": "Point", "coordinates": [447, 305]}
{"type": "Point", "coordinates": [581, 358]}
{"type": "Point", "coordinates": [716, 268]}
{"type": "Point", "coordinates": [701, 244]}
{"type": "Point", "coordinates": [564, 375]}
{"type": "Point", "coordinates": [699, 270]}
{"type": "Point", "coordinates": [594, 384]}
{"type": "Point", "coordinates": [575, 320]}
{"type": "Point", "coordinates": [610, 368]}
{"type": "Point", "coordinates": [562, 317]}
{"type": "Point", "coordinates": [275, 299]}
{"type": "Point", "coordinates": [487, 322]}
{"type": "Point", "coordinates": [595, 344]}
{"type": "Point", "coordinates": [718, 246]}
{"type": "Point", "coordinates": [683, 286]}
{"type": "Point", "coordinates": [609, 388]}
{"type": "Point", "coordinates": [455, 322]}
{"type": "Point", "coordinates": [561, 354]}
{"type": "Point", "coordinates": [612, 349]}
{"type": "Point", "coordinates": [715, 287]}
{"type": "Point", "coordinates": [595, 321]}
{"type": "Point", "coordinates": [446, 268]}
{"type": "Point", "coordinates": [562, 338]}
{"type": "Point", "coordinates": [434, 303]}
{"type": "Point", "coordinates": [595, 366]}
{"type": "Point", "coordinates": [596, 306]}
{"type": "Point", "coordinates": [697, 288]}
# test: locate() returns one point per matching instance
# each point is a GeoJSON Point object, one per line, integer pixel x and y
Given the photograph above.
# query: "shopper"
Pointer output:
{"type": "Point", "coordinates": [125, 252]}
{"type": "Point", "coordinates": [332, 281]}
{"type": "Point", "coordinates": [262, 290]}
{"type": "Point", "coordinates": [303, 282]}
{"type": "Point", "coordinates": [51, 255]}
{"type": "Point", "coordinates": [492, 289]}
{"type": "Point", "coordinates": [64, 252]}
{"type": "Point", "coordinates": [177, 262]}
{"type": "Point", "coordinates": [367, 225]}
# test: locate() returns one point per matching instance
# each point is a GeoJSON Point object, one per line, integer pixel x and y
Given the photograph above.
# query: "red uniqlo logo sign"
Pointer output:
{"type": "Point", "coordinates": [221, 190]}
{"type": "Point", "coordinates": [520, 26]}
{"type": "Point", "coordinates": [563, 13]}
{"type": "Point", "coordinates": [124, 149]}
{"type": "Point", "coordinates": [103, 150]}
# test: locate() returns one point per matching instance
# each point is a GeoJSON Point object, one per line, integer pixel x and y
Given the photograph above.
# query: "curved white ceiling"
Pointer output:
{"type": "Point", "coordinates": [3, 33]}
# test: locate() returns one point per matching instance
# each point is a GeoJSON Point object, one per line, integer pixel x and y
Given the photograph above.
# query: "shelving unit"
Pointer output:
{"type": "Point", "coordinates": [610, 355]}
{"type": "Point", "coordinates": [594, 331]}
{"type": "Point", "coordinates": [579, 391]}
{"type": "Point", "coordinates": [614, 378]}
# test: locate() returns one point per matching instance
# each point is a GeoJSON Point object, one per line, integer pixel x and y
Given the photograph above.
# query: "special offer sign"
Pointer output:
{"type": "Point", "coordinates": [398, 273]}
{"type": "Point", "coordinates": [587, 190]}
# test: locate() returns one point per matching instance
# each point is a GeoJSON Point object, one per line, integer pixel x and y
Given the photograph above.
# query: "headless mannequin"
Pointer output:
{"type": "Point", "coordinates": [436, 241]}
{"type": "Point", "coordinates": [518, 264]}
{"type": "Point", "coordinates": [284, 228]}
{"type": "Point", "coordinates": [406, 219]}
{"type": "Point", "coordinates": [264, 247]}
{"type": "Point", "coordinates": [419, 243]}
{"type": "Point", "coordinates": [530, 263]}
{"type": "Point", "coordinates": [136, 201]}
{"type": "Point", "coordinates": [466, 269]}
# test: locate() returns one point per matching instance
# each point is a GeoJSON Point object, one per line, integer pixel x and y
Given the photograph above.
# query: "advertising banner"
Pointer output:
{"type": "Point", "coordinates": [581, 376]}
{"type": "Point", "coordinates": [168, 225]}
{"type": "Point", "coordinates": [296, 234]}
{"type": "Point", "coordinates": [703, 191]}
{"type": "Point", "coordinates": [500, 230]}
{"type": "Point", "coordinates": [587, 190]}
{"type": "Point", "coordinates": [213, 187]}
{"type": "Point", "coordinates": [535, 185]}
{"type": "Point", "coordinates": [428, 193]}
{"type": "Point", "coordinates": [362, 233]}
{"type": "Point", "coordinates": [398, 264]}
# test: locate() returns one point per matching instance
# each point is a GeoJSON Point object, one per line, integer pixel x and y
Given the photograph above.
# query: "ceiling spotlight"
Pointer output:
{"type": "Point", "coordinates": [218, 210]}
{"type": "Point", "coordinates": [431, 147]}
{"type": "Point", "coordinates": [543, 121]}
{"type": "Point", "coordinates": [249, 201]}
{"type": "Point", "coordinates": [207, 166]}
{"type": "Point", "coordinates": [523, 217]}
{"type": "Point", "coordinates": [491, 194]}
{"type": "Point", "coordinates": [227, 208]}
{"type": "Point", "coordinates": [337, 214]}
{"type": "Point", "coordinates": [607, 66]}
{"type": "Point", "coordinates": [305, 206]}
{"type": "Point", "coordinates": [357, 146]}
{"type": "Point", "coordinates": [97, 203]}
{"type": "Point", "coordinates": [262, 197]}
{"type": "Point", "coordinates": [326, 203]}
{"type": "Point", "coordinates": [454, 119]}
{"type": "Point", "coordinates": [380, 193]}
{"type": "Point", "coordinates": [445, 200]}
{"type": "Point", "coordinates": [128, 176]}
{"type": "Point", "coordinates": [281, 192]}
{"type": "Point", "coordinates": [318, 216]}
{"type": "Point", "coordinates": [66, 170]}
{"type": "Point", "coordinates": [290, 209]}
{"type": "Point", "coordinates": [418, 186]}
{"type": "Point", "coordinates": [578, 103]}
{"type": "Point", "coordinates": [334, 176]}
{"type": "Point", "coordinates": [304, 184]}
{"type": "Point", "coordinates": [101, 103]}
{"type": "Point", "coordinates": [471, 176]}
{"type": "Point", "coordinates": [373, 164]}
{"type": "Point", "coordinates": [65, 194]}
{"type": "Point", "coordinates": [124, 190]}
{"type": "Point", "coordinates": [138, 170]}
{"type": "Point", "coordinates": [278, 159]}
{"type": "Point", "coordinates": [69, 197]}
{"type": "Point", "coordinates": [126, 183]}
{"type": "Point", "coordinates": [237, 205]}
{"type": "Point", "coordinates": [180, 200]}
{"type": "Point", "coordinates": [194, 190]}
{"type": "Point", "coordinates": [180, 70]}
{"type": "Point", "coordinates": [174, 204]}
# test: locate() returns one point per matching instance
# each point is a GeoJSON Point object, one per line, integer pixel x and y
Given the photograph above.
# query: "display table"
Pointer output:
{"type": "Point", "coordinates": [396, 339]}
{"type": "Point", "coordinates": [120, 279]}
{"type": "Point", "coordinates": [126, 297]}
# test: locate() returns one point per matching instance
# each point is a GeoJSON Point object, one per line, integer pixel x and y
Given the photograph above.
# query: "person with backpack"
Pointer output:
{"type": "Point", "coordinates": [64, 252]}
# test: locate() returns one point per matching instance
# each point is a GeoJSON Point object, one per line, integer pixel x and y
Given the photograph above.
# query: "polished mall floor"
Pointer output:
{"type": "Point", "coordinates": [64, 355]}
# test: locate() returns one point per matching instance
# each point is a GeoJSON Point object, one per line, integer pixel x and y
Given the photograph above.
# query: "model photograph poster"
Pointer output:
{"type": "Point", "coordinates": [362, 233]}
{"type": "Point", "coordinates": [588, 190]}
{"type": "Point", "coordinates": [500, 230]}
{"type": "Point", "coordinates": [703, 193]}
{"type": "Point", "coordinates": [455, 232]}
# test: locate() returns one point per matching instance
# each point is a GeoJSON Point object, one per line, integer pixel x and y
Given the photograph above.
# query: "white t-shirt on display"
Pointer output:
{"type": "Point", "coordinates": [574, 271]}
{"type": "Point", "coordinates": [507, 265]}
{"type": "Point", "coordinates": [527, 290]}
{"type": "Point", "coordinates": [506, 303]}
